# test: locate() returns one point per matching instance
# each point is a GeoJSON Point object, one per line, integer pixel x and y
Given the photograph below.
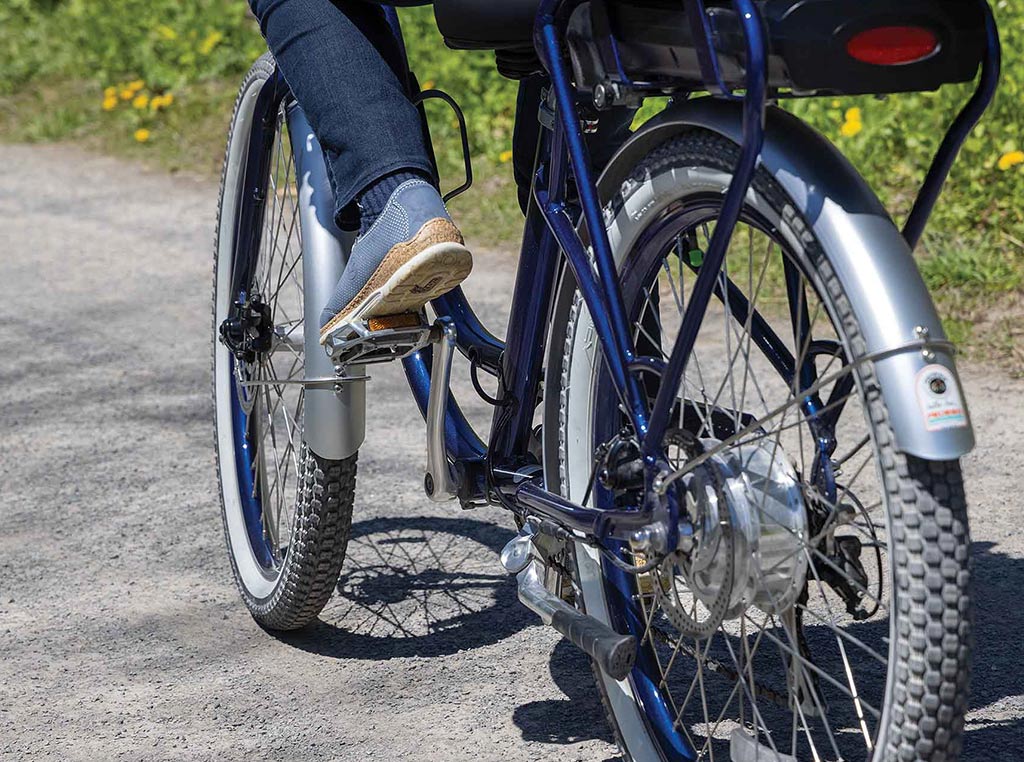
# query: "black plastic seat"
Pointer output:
{"type": "Point", "coordinates": [486, 24]}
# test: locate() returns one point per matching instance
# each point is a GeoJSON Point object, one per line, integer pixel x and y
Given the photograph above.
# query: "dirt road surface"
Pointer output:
{"type": "Point", "coordinates": [121, 635]}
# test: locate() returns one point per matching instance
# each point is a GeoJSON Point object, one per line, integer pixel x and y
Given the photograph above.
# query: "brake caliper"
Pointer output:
{"type": "Point", "coordinates": [249, 328]}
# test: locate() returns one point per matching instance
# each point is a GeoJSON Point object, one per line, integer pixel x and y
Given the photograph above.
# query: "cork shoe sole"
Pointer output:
{"type": "Point", "coordinates": [404, 281]}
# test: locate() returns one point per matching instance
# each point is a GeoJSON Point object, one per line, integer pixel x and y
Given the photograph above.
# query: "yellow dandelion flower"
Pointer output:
{"type": "Point", "coordinates": [850, 128]}
{"type": "Point", "coordinates": [853, 115]}
{"type": "Point", "coordinates": [1011, 159]}
{"type": "Point", "coordinates": [136, 85]}
{"type": "Point", "coordinates": [142, 135]}
{"type": "Point", "coordinates": [110, 92]}
{"type": "Point", "coordinates": [158, 102]}
{"type": "Point", "coordinates": [428, 85]}
{"type": "Point", "coordinates": [141, 101]}
{"type": "Point", "coordinates": [127, 95]}
{"type": "Point", "coordinates": [836, 103]}
{"type": "Point", "coordinates": [166, 32]}
{"type": "Point", "coordinates": [109, 104]}
{"type": "Point", "coordinates": [210, 42]}
{"type": "Point", "coordinates": [505, 157]}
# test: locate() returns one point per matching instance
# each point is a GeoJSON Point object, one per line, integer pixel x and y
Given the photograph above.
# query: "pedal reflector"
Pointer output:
{"type": "Point", "coordinates": [390, 322]}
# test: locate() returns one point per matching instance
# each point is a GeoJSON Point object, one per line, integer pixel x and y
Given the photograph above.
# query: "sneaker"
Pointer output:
{"type": "Point", "coordinates": [410, 255]}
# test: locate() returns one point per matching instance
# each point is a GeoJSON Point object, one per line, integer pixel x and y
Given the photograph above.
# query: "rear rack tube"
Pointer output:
{"type": "Point", "coordinates": [958, 132]}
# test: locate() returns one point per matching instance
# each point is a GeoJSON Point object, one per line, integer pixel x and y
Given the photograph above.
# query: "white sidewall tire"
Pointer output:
{"type": "Point", "coordinates": [257, 583]}
{"type": "Point", "coordinates": [644, 201]}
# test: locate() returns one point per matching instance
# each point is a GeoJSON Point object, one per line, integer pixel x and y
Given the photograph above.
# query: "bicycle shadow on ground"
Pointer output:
{"type": "Point", "coordinates": [425, 586]}
{"type": "Point", "coordinates": [576, 718]}
{"type": "Point", "coordinates": [997, 684]}
{"type": "Point", "coordinates": [418, 586]}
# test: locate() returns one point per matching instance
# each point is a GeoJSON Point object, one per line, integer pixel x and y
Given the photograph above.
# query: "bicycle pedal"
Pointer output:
{"type": "Point", "coordinates": [378, 339]}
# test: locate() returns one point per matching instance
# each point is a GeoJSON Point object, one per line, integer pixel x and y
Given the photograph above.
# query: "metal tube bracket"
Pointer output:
{"type": "Point", "coordinates": [439, 481]}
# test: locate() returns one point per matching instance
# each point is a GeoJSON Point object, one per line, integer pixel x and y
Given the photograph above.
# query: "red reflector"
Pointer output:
{"type": "Point", "coordinates": [893, 45]}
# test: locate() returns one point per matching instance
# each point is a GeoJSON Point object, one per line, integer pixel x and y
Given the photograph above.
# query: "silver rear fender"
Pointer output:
{"type": "Point", "coordinates": [868, 253]}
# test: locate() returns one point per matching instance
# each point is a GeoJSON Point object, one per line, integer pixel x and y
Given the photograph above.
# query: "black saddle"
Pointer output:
{"type": "Point", "coordinates": [486, 24]}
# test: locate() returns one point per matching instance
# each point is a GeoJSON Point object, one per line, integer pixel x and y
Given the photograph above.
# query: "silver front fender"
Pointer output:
{"type": "Point", "coordinates": [868, 253]}
{"type": "Point", "coordinates": [334, 423]}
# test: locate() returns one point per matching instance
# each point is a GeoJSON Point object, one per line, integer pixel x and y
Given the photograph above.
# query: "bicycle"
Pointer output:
{"type": "Point", "coordinates": [744, 502]}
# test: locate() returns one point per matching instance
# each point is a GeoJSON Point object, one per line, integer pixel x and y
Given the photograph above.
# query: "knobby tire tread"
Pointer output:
{"type": "Point", "coordinates": [929, 674]}
{"type": "Point", "coordinates": [326, 492]}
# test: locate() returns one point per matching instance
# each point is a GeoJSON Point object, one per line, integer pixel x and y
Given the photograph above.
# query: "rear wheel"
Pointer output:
{"type": "Point", "coordinates": [821, 610]}
{"type": "Point", "coordinates": [287, 511]}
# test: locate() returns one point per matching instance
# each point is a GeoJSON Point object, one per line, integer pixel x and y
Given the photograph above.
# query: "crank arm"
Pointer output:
{"type": "Point", "coordinates": [615, 654]}
{"type": "Point", "coordinates": [439, 481]}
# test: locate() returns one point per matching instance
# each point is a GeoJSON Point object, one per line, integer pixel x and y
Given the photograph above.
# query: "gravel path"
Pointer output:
{"type": "Point", "coordinates": [121, 635]}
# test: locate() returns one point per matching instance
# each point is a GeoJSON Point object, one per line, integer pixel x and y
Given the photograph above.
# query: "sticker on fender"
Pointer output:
{"type": "Point", "coordinates": [938, 395]}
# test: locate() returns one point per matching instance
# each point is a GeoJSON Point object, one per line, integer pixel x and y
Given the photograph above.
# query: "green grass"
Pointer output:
{"type": "Point", "coordinates": [974, 272]}
{"type": "Point", "coordinates": [979, 290]}
{"type": "Point", "coordinates": [189, 137]}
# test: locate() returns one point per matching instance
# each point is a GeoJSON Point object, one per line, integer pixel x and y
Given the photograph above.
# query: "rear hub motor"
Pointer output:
{"type": "Point", "coordinates": [747, 548]}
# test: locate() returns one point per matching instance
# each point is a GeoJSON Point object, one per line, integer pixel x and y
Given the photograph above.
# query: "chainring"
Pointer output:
{"type": "Point", "coordinates": [691, 614]}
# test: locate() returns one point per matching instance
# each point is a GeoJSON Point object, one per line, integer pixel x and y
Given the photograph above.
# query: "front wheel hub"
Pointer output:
{"type": "Point", "coordinates": [249, 328]}
{"type": "Point", "coordinates": [766, 517]}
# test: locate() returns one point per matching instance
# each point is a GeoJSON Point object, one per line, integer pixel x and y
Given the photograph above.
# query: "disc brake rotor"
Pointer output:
{"type": "Point", "coordinates": [695, 598]}
{"type": "Point", "coordinates": [749, 524]}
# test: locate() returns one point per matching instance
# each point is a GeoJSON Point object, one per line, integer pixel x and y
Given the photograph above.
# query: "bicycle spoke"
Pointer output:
{"type": "Point", "coordinates": [276, 455]}
{"type": "Point", "coordinates": [777, 352]}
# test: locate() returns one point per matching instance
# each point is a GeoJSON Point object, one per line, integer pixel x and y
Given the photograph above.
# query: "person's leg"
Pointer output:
{"type": "Point", "coordinates": [345, 69]}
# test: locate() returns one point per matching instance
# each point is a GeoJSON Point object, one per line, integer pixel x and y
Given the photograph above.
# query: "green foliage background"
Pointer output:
{"type": "Point", "coordinates": [56, 57]}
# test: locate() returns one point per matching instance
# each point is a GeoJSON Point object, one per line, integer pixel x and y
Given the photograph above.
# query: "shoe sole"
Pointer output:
{"type": "Point", "coordinates": [431, 273]}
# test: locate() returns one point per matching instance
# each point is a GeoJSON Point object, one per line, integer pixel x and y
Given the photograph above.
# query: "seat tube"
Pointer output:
{"type": "Point", "coordinates": [621, 353]}
{"type": "Point", "coordinates": [512, 424]}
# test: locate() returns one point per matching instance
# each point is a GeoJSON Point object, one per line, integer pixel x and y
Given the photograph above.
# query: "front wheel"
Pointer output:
{"type": "Point", "coordinates": [822, 609]}
{"type": "Point", "coordinates": [287, 511]}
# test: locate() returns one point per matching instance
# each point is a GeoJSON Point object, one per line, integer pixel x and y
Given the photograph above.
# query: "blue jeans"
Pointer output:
{"type": "Point", "coordinates": [345, 68]}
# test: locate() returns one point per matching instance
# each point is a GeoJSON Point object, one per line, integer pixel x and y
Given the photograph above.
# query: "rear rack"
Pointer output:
{"type": "Point", "coordinates": [621, 52]}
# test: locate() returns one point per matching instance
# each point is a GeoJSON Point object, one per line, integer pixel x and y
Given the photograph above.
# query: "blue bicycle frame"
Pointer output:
{"type": "Point", "coordinates": [550, 229]}
{"type": "Point", "coordinates": [552, 236]}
